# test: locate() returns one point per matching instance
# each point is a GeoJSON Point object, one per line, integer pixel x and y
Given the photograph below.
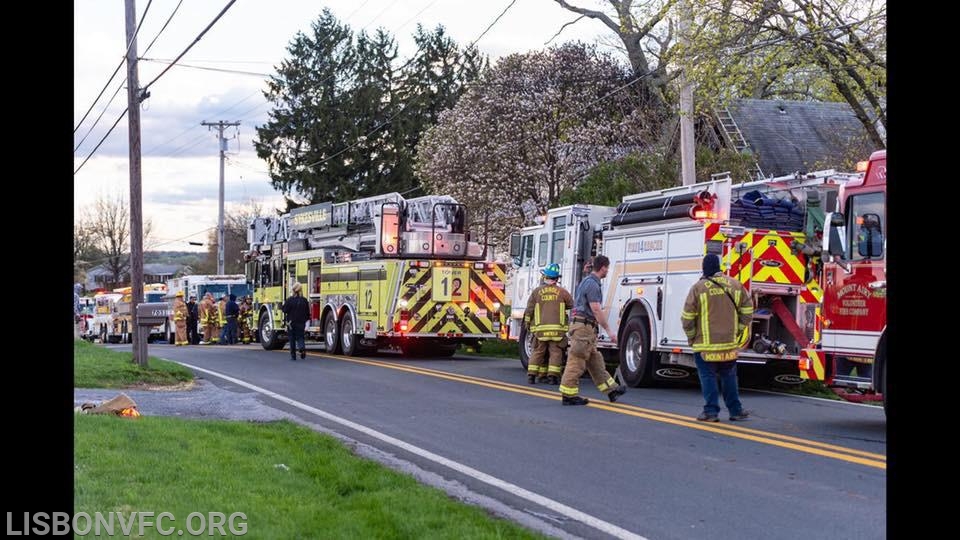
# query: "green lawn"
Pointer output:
{"type": "Point", "coordinates": [95, 366]}
{"type": "Point", "coordinates": [289, 481]}
{"type": "Point", "coordinates": [504, 348]}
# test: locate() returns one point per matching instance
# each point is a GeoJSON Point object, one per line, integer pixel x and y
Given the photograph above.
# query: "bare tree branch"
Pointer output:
{"type": "Point", "coordinates": [547, 42]}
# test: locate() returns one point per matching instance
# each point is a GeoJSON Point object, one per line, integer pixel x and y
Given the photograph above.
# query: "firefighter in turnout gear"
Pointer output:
{"type": "Point", "coordinates": [245, 320]}
{"type": "Point", "coordinates": [180, 319]}
{"type": "Point", "coordinates": [716, 318]}
{"type": "Point", "coordinates": [583, 355]}
{"type": "Point", "coordinates": [207, 317]}
{"type": "Point", "coordinates": [546, 318]}
{"type": "Point", "coordinates": [220, 320]}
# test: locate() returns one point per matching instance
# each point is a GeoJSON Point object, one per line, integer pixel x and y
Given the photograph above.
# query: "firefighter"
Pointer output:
{"type": "Point", "coordinates": [221, 318]}
{"type": "Point", "coordinates": [246, 319]}
{"type": "Point", "coordinates": [586, 316]}
{"type": "Point", "coordinates": [716, 333]}
{"type": "Point", "coordinates": [546, 318]}
{"type": "Point", "coordinates": [207, 315]}
{"type": "Point", "coordinates": [180, 318]}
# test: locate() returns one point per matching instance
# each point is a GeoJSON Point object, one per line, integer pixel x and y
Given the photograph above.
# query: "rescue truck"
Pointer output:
{"type": "Point", "coordinates": [104, 315]}
{"type": "Point", "coordinates": [200, 284]}
{"type": "Point", "coordinates": [378, 272]}
{"type": "Point", "coordinates": [656, 242]}
{"type": "Point", "coordinates": [851, 352]}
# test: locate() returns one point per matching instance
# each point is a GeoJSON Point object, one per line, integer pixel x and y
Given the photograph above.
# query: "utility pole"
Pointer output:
{"type": "Point", "coordinates": [223, 149]}
{"type": "Point", "coordinates": [687, 144]}
{"type": "Point", "coordinates": [136, 216]}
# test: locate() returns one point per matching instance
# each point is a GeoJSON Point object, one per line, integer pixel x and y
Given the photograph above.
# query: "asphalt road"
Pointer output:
{"type": "Point", "coordinates": [800, 468]}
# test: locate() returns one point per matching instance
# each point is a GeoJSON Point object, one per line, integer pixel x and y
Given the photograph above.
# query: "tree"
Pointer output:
{"type": "Point", "coordinates": [108, 225]}
{"type": "Point", "coordinates": [646, 34]}
{"type": "Point", "coordinates": [346, 119]}
{"type": "Point", "coordinates": [825, 50]}
{"type": "Point", "coordinates": [534, 125]}
{"type": "Point", "coordinates": [86, 254]}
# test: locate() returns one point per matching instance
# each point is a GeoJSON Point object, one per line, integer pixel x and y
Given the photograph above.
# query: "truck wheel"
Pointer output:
{"type": "Point", "coordinates": [348, 340]}
{"type": "Point", "coordinates": [331, 337]}
{"type": "Point", "coordinates": [268, 338]}
{"type": "Point", "coordinates": [526, 343]}
{"type": "Point", "coordinates": [636, 359]}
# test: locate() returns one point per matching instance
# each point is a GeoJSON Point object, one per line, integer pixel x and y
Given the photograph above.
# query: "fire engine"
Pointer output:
{"type": "Point", "coordinates": [378, 272]}
{"type": "Point", "coordinates": [764, 231]}
{"type": "Point", "coordinates": [851, 353]}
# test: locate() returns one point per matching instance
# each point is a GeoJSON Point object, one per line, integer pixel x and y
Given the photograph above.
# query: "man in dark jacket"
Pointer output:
{"type": "Point", "coordinates": [193, 314]}
{"type": "Point", "coordinates": [232, 312]}
{"type": "Point", "coordinates": [296, 312]}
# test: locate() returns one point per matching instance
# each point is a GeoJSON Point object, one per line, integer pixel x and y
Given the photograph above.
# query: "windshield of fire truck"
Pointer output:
{"type": "Point", "coordinates": [862, 213]}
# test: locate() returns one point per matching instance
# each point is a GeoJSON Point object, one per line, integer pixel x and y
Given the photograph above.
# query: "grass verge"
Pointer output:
{"type": "Point", "coordinates": [95, 366]}
{"type": "Point", "coordinates": [503, 348]}
{"type": "Point", "coordinates": [289, 481]}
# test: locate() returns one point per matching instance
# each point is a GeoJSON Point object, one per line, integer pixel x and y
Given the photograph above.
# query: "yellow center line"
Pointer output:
{"type": "Point", "coordinates": [785, 441]}
{"type": "Point", "coordinates": [682, 418]}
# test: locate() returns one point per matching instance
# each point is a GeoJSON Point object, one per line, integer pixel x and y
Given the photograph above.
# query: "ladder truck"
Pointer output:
{"type": "Point", "coordinates": [382, 272]}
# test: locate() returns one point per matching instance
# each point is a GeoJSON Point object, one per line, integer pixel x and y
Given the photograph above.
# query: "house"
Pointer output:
{"type": "Point", "coordinates": [102, 277]}
{"type": "Point", "coordinates": [790, 136]}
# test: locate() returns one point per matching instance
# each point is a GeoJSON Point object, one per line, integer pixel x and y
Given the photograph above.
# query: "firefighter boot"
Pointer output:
{"type": "Point", "coordinates": [553, 380]}
{"type": "Point", "coordinates": [531, 379]}
{"type": "Point", "coordinates": [616, 393]}
{"type": "Point", "coordinates": [575, 400]}
{"type": "Point", "coordinates": [543, 379]}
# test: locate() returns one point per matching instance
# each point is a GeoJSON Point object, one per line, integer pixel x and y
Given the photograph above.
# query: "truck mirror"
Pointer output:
{"type": "Point", "coordinates": [515, 246]}
{"type": "Point", "coordinates": [870, 236]}
{"type": "Point", "coordinates": [833, 235]}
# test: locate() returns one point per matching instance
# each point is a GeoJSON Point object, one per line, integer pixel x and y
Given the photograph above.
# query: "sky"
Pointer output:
{"type": "Point", "coordinates": [180, 157]}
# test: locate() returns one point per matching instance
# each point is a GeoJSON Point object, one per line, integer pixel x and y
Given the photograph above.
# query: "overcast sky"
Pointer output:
{"type": "Point", "coordinates": [180, 164]}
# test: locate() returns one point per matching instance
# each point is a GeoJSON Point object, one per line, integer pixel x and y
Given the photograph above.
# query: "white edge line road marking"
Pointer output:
{"type": "Point", "coordinates": [518, 491]}
{"type": "Point", "coordinates": [841, 401]}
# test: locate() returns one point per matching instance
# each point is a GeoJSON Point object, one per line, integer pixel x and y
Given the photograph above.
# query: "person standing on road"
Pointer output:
{"type": "Point", "coordinates": [546, 318]}
{"type": "Point", "coordinates": [583, 354]}
{"type": "Point", "coordinates": [716, 333]}
{"type": "Point", "coordinates": [232, 311]}
{"type": "Point", "coordinates": [245, 320]}
{"type": "Point", "coordinates": [221, 328]}
{"type": "Point", "coordinates": [296, 311]}
{"type": "Point", "coordinates": [207, 315]}
{"type": "Point", "coordinates": [192, 314]}
{"type": "Point", "coordinates": [180, 319]}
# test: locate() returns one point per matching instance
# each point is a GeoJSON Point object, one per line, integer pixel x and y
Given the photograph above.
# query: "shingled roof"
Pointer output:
{"type": "Point", "coordinates": [789, 136]}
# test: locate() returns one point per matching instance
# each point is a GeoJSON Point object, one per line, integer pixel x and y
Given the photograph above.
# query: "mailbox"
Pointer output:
{"type": "Point", "coordinates": [153, 313]}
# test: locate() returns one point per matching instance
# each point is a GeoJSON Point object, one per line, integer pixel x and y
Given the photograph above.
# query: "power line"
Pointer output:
{"type": "Point", "coordinates": [354, 12]}
{"type": "Point", "coordinates": [382, 11]}
{"type": "Point", "coordinates": [120, 65]}
{"type": "Point", "coordinates": [415, 15]}
{"type": "Point", "coordinates": [124, 113]}
{"type": "Point", "coordinates": [206, 68]}
{"type": "Point", "coordinates": [97, 121]}
{"type": "Point", "coordinates": [502, 13]}
{"type": "Point", "coordinates": [164, 27]}
{"type": "Point", "coordinates": [143, 91]}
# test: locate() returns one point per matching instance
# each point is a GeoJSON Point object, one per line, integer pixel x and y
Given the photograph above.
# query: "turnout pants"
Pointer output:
{"type": "Point", "coordinates": [584, 356]}
{"type": "Point", "coordinates": [181, 333]}
{"type": "Point", "coordinates": [537, 366]}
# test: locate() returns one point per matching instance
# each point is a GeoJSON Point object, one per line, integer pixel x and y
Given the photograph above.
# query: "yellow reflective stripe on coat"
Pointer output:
{"type": "Point", "coordinates": [704, 319]}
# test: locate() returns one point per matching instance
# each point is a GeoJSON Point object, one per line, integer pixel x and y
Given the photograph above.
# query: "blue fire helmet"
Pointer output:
{"type": "Point", "coordinates": [552, 271]}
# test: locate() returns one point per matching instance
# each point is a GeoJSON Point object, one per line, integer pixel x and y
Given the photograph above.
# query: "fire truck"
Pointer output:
{"type": "Point", "coordinates": [764, 231]}
{"type": "Point", "coordinates": [378, 272]}
{"type": "Point", "coordinates": [851, 352]}
{"type": "Point", "coordinates": [112, 321]}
